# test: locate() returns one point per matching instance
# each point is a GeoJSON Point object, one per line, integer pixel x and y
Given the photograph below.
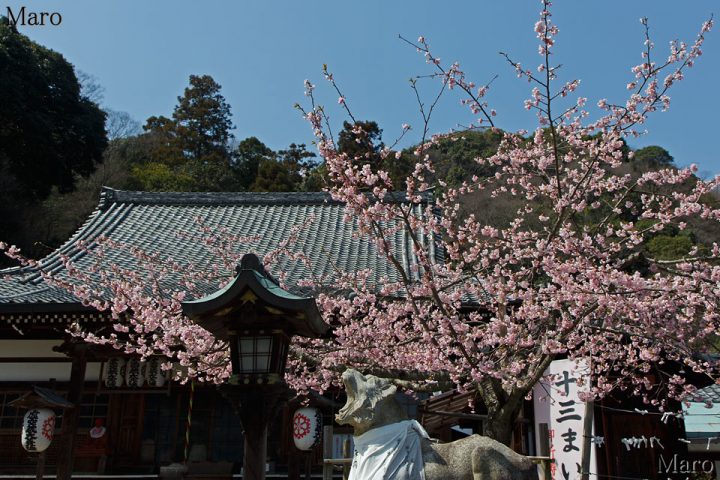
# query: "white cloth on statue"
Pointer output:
{"type": "Point", "coordinates": [390, 452]}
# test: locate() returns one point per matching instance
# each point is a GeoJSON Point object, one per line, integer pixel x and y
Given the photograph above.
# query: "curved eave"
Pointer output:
{"type": "Point", "coordinates": [302, 312]}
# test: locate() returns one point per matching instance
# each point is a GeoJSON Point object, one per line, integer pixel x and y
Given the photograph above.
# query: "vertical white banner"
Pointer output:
{"type": "Point", "coordinates": [558, 405]}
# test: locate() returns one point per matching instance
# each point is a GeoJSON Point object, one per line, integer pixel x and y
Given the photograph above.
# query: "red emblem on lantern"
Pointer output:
{"type": "Point", "coordinates": [48, 428]}
{"type": "Point", "coordinates": [301, 426]}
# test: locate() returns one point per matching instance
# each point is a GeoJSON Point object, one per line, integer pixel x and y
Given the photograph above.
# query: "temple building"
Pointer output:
{"type": "Point", "coordinates": [131, 419]}
{"type": "Point", "coordinates": [145, 415]}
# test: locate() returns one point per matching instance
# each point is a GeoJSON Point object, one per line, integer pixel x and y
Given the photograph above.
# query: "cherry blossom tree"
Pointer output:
{"type": "Point", "coordinates": [143, 295]}
{"type": "Point", "coordinates": [483, 307]}
{"type": "Point", "coordinates": [559, 280]}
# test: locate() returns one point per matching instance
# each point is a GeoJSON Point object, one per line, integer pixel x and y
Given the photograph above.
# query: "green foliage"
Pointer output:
{"type": "Point", "coordinates": [189, 151]}
{"type": "Point", "coordinates": [48, 131]}
{"type": "Point", "coordinates": [211, 174]}
{"type": "Point", "coordinates": [454, 156]}
{"type": "Point", "coordinates": [361, 139]}
{"type": "Point", "coordinates": [286, 173]}
{"type": "Point", "coordinates": [667, 247]}
{"type": "Point", "coordinates": [61, 214]}
{"type": "Point", "coordinates": [298, 156]}
{"type": "Point", "coordinates": [273, 176]}
{"type": "Point", "coordinates": [316, 179]}
{"type": "Point", "coordinates": [50, 135]}
{"type": "Point", "coordinates": [653, 156]}
{"type": "Point", "coordinates": [247, 157]}
{"type": "Point", "coordinates": [670, 243]}
{"type": "Point", "coordinates": [160, 142]}
{"type": "Point", "coordinates": [202, 120]}
{"type": "Point", "coordinates": [156, 176]}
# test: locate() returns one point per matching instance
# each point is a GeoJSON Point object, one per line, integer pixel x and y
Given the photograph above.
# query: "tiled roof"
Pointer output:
{"type": "Point", "coordinates": [167, 223]}
{"type": "Point", "coordinates": [710, 393]}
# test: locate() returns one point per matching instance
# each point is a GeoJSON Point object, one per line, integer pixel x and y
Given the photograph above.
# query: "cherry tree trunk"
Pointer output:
{"type": "Point", "coordinates": [501, 421]}
{"type": "Point", "coordinates": [499, 430]}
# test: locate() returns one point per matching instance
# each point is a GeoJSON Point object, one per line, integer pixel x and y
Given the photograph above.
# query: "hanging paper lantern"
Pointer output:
{"type": "Point", "coordinates": [307, 428]}
{"type": "Point", "coordinates": [38, 429]}
{"type": "Point", "coordinates": [154, 374]}
{"type": "Point", "coordinates": [134, 373]}
{"type": "Point", "coordinates": [114, 372]}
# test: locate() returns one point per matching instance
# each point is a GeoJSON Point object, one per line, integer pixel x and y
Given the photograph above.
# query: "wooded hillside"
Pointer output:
{"type": "Point", "coordinates": [58, 147]}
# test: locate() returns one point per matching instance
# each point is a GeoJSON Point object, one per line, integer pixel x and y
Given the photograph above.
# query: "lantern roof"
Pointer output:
{"type": "Point", "coordinates": [253, 300]}
{"type": "Point", "coordinates": [40, 397]}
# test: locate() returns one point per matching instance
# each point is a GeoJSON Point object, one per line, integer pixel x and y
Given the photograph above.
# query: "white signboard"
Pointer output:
{"type": "Point", "coordinates": [560, 414]}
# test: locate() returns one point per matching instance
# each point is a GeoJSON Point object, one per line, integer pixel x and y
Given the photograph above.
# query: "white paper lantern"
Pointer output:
{"type": "Point", "coordinates": [307, 428]}
{"type": "Point", "coordinates": [134, 373]}
{"type": "Point", "coordinates": [38, 429]}
{"type": "Point", "coordinates": [114, 373]}
{"type": "Point", "coordinates": [154, 374]}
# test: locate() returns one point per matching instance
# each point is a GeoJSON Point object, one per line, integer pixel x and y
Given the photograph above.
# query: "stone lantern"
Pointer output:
{"type": "Point", "coordinates": [258, 319]}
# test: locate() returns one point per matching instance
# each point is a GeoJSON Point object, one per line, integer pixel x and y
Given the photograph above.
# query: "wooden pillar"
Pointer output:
{"type": "Point", "coordinates": [255, 427]}
{"type": "Point", "coordinates": [587, 440]}
{"type": "Point", "coordinates": [257, 407]}
{"type": "Point", "coordinates": [70, 416]}
{"type": "Point", "coordinates": [40, 467]}
{"type": "Point", "coordinates": [327, 452]}
{"type": "Point", "coordinates": [345, 455]}
{"type": "Point", "coordinates": [294, 466]}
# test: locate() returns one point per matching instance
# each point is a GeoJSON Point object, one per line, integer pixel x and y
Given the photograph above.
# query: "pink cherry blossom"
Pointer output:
{"type": "Point", "coordinates": [473, 304]}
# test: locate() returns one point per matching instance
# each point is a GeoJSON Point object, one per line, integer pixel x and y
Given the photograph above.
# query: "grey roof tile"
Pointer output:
{"type": "Point", "coordinates": [166, 223]}
{"type": "Point", "coordinates": [710, 393]}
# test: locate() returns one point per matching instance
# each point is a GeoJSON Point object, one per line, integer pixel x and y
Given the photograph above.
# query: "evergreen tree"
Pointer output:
{"type": "Point", "coordinates": [361, 139]}
{"type": "Point", "coordinates": [287, 172]}
{"type": "Point", "coordinates": [191, 150]}
{"type": "Point", "coordinates": [49, 132]}
{"type": "Point", "coordinates": [202, 120]}
{"type": "Point", "coordinates": [248, 156]}
{"type": "Point", "coordinates": [653, 156]}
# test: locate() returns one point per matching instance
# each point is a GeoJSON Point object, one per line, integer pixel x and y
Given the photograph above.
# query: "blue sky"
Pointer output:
{"type": "Point", "coordinates": [142, 52]}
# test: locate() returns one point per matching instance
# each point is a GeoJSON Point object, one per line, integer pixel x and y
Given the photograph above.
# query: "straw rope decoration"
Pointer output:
{"type": "Point", "coordinates": [189, 420]}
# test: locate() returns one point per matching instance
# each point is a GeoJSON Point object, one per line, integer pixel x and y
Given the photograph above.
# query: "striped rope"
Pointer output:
{"type": "Point", "coordinates": [189, 421]}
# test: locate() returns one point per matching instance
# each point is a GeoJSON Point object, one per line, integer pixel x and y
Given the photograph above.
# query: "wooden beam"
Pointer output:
{"type": "Point", "coordinates": [35, 360]}
{"type": "Point", "coordinates": [466, 416]}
